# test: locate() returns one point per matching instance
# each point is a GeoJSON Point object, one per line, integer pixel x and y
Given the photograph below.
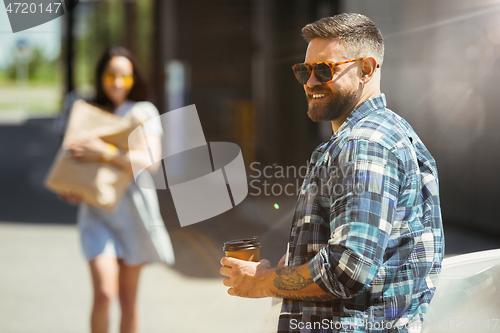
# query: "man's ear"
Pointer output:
{"type": "Point", "coordinates": [369, 66]}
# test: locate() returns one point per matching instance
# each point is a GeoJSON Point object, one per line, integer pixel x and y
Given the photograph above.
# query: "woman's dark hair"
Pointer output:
{"type": "Point", "coordinates": [139, 91]}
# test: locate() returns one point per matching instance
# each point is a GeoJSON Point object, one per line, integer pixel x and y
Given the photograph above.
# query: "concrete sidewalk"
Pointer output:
{"type": "Point", "coordinates": [45, 287]}
{"type": "Point", "coordinates": [45, 283]}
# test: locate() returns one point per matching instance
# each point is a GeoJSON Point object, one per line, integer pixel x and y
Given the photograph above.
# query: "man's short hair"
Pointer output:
{"type": "Point", "coordinates": [356, 32]}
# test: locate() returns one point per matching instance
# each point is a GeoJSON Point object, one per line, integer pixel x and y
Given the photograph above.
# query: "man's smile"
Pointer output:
{"type": "Point", "coordinates": [317, 97]}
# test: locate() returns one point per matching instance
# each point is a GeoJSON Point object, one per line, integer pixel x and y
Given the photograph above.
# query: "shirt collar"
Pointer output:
{"type": "Point", "coordinates": [362, 110]}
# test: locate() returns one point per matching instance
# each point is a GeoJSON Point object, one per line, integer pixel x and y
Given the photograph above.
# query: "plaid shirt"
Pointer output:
{"type": "Point", "coordinates": [368, 221]}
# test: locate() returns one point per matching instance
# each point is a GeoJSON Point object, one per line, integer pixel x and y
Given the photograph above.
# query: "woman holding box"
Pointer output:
{"type": "Point", "coordinates": [118, 243]}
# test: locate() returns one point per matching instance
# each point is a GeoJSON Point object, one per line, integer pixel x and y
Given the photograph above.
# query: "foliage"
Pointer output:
{"type": "Point", "coordinates": [40, 68]}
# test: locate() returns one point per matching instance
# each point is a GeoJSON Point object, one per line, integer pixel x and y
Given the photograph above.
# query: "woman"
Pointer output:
{"type": "Point", "coordinates": [117, 244]}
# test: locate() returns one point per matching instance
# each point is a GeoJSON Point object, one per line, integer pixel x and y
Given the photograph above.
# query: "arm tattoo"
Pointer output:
{"type": "Point", "coordinates": [318, 298]}
{"type": "Point", "coordinates": [289, 279]}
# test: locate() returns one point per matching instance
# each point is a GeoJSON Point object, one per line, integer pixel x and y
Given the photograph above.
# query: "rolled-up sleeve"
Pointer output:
{"type": "Point", "coordinates": [363, 200]}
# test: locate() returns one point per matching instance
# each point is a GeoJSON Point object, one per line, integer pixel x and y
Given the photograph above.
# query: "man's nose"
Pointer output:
{"type": "Point", "coordinates": [313, 81]}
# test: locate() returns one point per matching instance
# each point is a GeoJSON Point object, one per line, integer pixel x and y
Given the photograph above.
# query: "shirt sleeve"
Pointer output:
{"type": "Point", "coordinates": [363, 199]}
{"type": "Point", "coordinates": [153, 124]}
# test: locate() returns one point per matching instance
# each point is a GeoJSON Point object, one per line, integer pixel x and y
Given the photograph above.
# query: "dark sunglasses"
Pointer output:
{"type": "Point", "coordinates": [322, 70]}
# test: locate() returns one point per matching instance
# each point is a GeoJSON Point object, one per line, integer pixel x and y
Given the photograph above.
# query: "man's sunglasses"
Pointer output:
{"type": "Point", "coordinates": [322, 70]}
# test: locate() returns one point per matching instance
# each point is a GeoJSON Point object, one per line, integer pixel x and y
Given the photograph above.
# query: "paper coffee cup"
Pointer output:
{"type": "Point", "coordinates": [244, 249]}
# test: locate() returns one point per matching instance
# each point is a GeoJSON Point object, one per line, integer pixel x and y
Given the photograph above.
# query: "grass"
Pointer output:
{"type": "Point", "coordinates": [33, 99]}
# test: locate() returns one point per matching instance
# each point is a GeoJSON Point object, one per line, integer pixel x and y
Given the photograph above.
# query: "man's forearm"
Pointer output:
{"type": "Point", "coordinates": [295, 282]}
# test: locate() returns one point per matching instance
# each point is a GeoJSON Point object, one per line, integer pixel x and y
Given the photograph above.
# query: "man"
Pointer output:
{"type": "Point", "coordinates": [367, 236]}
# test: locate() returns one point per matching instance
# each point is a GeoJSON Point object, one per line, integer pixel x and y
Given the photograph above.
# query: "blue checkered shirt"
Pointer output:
{"type": "Point", "coordinates": [368, 221]}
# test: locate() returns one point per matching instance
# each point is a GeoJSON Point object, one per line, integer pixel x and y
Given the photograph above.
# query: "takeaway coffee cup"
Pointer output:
{"type": "Point", "coordinates": [244, 249]}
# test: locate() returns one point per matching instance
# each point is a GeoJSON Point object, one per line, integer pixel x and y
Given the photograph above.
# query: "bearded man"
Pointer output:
{"type": "Point", "coordinates": [367, 237]}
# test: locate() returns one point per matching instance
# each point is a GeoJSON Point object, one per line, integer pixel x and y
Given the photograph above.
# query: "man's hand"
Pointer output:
{"type": "Point", "coordinates": [246, 278]}
{"type": "Point", "coordinates": [257, 279]}
{"type": "Point", "coordinates": [282, 261]}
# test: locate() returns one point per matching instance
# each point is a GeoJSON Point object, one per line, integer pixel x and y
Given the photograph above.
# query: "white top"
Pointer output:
{"type": "Point", "coordinates": [134, 231]}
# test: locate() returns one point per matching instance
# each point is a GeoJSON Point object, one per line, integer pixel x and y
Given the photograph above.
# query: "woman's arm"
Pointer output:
{"type": "Point", "coordinates": [93, 149]}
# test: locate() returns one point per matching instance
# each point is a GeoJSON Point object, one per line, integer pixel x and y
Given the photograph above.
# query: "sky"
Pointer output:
{"type": "Point", "coordinates": [46, 36]}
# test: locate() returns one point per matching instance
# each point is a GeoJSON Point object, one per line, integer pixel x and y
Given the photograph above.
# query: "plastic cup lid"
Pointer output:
{"type": "Point", "coordinates": [242, 244]}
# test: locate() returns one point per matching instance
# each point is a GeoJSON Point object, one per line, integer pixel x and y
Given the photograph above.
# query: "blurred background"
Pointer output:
{"type": "Point", "coordinates": [233, 60]}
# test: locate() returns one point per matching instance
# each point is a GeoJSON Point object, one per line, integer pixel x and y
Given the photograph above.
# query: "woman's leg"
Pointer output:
{"type": "Point", "coordinates": [104, 270]}
{"type": "Point", "coordinates": [128, 283]}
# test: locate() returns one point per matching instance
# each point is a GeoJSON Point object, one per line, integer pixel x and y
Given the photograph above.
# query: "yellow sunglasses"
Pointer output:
{"type": "Point", "coordinates": [109, 79]}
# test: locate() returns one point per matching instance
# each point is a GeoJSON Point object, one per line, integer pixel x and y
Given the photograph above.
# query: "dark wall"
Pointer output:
{"type": "Point", "coordinates": [441, 74]}
{"type": "Point", "coordinates": [239, 55]}
{"type": "Point", "coordinates": [26, 154]}
{"type": "Point", "coordinates": [214, 38]}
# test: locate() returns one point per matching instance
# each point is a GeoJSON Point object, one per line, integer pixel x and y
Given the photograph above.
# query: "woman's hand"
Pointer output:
{"type": "Point", "coordinates": [72, 197]}
{"type": "Point", "coordinates": [89, 149]}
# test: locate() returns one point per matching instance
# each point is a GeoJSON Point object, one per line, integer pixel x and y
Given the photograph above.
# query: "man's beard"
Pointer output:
{"type": "Point", "coordinates": [335, 105]}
